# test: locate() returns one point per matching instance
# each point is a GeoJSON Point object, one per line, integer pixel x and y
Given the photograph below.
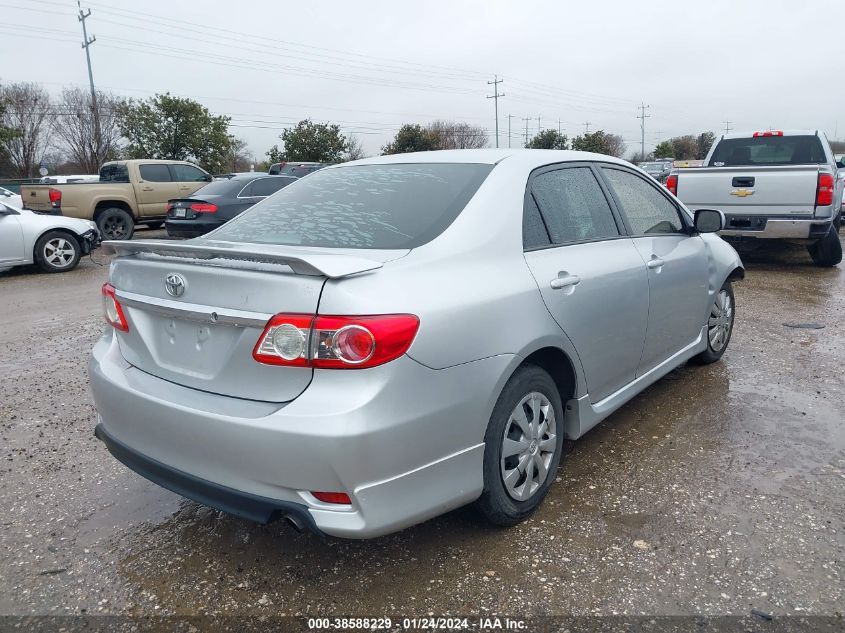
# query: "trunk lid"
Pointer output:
{"type": "Point", "coordinates": [36, 198]}
{"type": "Point", "coordinates": [771, 190]}
{"type": "Point", "coordinates": [203, 337]}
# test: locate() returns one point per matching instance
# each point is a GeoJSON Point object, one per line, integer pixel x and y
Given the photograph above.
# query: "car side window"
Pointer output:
{"type": "Point", "coordinates": [573, 205]}
{"type": "Point", "coordinates": [187, 173]}
{"type": "Point", "coordinates": [246, 192]}
{"type": "Point", "coordinates": [648, 211]}
{"type": "Point", "coordinates": [534, 233]}
{"type": "Point", "coordinates": [154, 173]}
{"type": "Point", "coordinates": [268, 186]}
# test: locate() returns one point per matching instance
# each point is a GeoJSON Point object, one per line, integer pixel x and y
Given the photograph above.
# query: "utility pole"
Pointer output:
{"type": "Point", "coordinates": [728, 127]}
{"type": "Point", "coordinates": [495, 97]}
{"type": "Point", "coordinates": [86, 42]}
{"type": "Point", "coordinates": [510, 116]}
{"type": "Point", "coordinates": [587, 127]}
{"type": "Point", "coordinates": [526, 119]}
{"type": "Point", "coordinates": [539, 129]}
{"type": "Point", "coordinates": [642, 116]}
{"type": "Point", "coordinates": [558, 128]}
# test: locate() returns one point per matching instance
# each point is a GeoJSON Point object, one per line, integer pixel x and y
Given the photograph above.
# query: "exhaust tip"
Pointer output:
{"type": "Point", "coordinates": [296, 522]}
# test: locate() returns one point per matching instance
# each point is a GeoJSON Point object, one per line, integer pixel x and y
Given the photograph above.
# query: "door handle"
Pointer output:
{"type": "Point", "coordinates": [564, 280]}
{"type": "Point", "coordinates": [146, 188]}
{"type": "Point", "coordinates": [655, 262]}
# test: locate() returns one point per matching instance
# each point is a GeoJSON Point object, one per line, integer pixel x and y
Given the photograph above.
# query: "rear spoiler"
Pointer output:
{"type": "Point", "coordinates": [301, 261]}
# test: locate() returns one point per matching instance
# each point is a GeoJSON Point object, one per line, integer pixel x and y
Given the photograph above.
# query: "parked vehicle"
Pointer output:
{"type": "Point", "coordinates": [61, 180]}
{"type": "Point", "coordinates": [54, 243]}
{"type": "Point", "coordinates": [381, 342]}
{"type": "Point", "coordinates": [294, 169]}
{"type": "Point", "coordinates": [10, 198]}
{"type": "Point", "coordinates": [129, 192]}
{"type": "Point", "coordinates": [771, 185]}
{"type": "Point", "coordinates": [218, 202]}
{"type": "Point", "coordinates": [658, 170]}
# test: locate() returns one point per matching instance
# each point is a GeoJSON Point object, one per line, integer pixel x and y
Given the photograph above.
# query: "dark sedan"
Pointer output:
{"type": "Point", "coordinates": [218, 202]}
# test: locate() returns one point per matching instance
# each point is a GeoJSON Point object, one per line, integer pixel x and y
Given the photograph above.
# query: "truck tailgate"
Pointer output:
{"type": "Point", "coordinates": [772, 191]}
{"type": "Point", "coordinates": [36, 197]}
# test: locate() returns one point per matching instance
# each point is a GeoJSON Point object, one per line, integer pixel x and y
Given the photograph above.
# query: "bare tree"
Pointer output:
{"type": "Point", "coordinates": [615, 145]}
{"type": "Point", "coordinates": [27, 113]}
{"type": "Point", "coordinates": [88, 137]}
{"type": "Point", "coordinates": [354, 149]}
{"type": "Point", "coordinates": [455, 135]}
{"type": "Point", "coordinates": [240, 158]}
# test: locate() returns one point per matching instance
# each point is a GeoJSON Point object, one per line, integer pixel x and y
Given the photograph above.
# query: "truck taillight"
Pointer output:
{"type": "Point", "coordinates": [768, 133]}
{"type": "Point", "coordinates": [203, 207]}
{"type": "Point", "coordinates": [55, 198]}
{"type": "Point", "coordinates": [113, 310]}
{"type": "Point", "coordinates": [335, 342]}
{"type": "Point", "coordinates": [672, 184]}
{"type": "Point", "coordinates": [824, 190]}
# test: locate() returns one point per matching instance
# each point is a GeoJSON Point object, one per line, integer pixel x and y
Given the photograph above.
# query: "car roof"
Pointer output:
{"type": "Point", "coordinates": [527, 157]}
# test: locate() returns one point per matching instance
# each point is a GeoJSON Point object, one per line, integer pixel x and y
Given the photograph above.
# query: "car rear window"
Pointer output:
{"type": "Point", "coordinates": [768, 150]}
{"type": "Point", "coordinates": [362, 206]}
{"type": "Point", "coordinates": [114, 172]}
{"type": "Point", "coordinates": [220, 187]}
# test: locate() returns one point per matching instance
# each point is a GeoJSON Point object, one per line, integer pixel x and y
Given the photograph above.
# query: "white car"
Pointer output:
{"type": "Point", "coordinates": [53, 242]}
{"type": "Point", "coordinates": [10, 198]}
{"type": "Point", "coordinates": [62, 180]}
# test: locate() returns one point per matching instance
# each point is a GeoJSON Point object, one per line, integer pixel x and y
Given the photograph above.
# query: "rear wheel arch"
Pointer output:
{"type": "Point", "coordinates": [736, 274]}
{"type": "Point", "coordinates": [113, 204]}
{"type": "Point", "coordinates": [555, 362]}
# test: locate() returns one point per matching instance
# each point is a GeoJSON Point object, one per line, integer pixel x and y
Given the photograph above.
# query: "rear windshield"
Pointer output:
{"type": "Point", "coordinates": [114, 172]}
{"type": "Point", "coordinates": [221, 187]}
{"type": "Point", "coordinates": [768, 150]}
{"type": "Point", "coordinates": [362, 206]}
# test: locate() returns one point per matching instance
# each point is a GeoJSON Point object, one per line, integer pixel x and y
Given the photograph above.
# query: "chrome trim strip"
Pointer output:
{"type": "Point", "coordinates": [193, 311]}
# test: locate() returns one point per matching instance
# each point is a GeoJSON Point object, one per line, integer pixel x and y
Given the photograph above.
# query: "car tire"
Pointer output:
{"type": "Point", "coordinates": [57, 252]}
{"type": "Point", "coordinates": [535, 441]}
{"type": "Point", "coordinates": [115, 224]}
{"type": "Point", "coordinates": [720, 326]}
{"type": "Point", "coordinates": [828, 250]}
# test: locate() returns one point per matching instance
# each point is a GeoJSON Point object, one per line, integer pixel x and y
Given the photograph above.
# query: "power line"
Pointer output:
{"type": "Point", "coordinates": [495, 97]}
{"type": "Point", "coordinates": [86, 44]}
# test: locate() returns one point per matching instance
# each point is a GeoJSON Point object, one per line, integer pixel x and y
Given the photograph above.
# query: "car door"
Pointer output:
{"type": "Point", "coordinates": [155, 187]}
{"type": "Point", "coordinates": [591, 276]}
{"type": "Point", "coordinates": [11, 236]}
{"type": "Point", "coordinates": [676, 260]}
{"type": "Point", "coordinates": [188, 178]}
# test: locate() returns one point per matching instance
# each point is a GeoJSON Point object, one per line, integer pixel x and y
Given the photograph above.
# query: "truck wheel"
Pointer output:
{"type": "Point", "coordinates": [828, 250]}
{"type": "Point", "coordinates": [523, 444]}
{"type": "Point", "coordinates": [57, 252]}
{"type": "Point", "coordinates": [720, 326]}
{"type": "Point", "coordinates": [115, 224]}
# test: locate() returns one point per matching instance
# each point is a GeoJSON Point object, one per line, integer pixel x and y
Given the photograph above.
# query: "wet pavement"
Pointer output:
{"type": "Point", "coordinates": [719, 490]}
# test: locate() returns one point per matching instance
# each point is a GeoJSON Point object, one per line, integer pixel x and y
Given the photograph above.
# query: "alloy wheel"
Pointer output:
{"type": "Point", "coordinates": [721, 321]}
{"type": "Point", "coordinates": [528, 446]}
{"type": "Point", "coordinates": [59, 252]}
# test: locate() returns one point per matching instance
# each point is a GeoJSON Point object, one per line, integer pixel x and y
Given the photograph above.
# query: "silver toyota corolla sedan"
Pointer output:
{"type": "Point", "coordinates": [388, 339]}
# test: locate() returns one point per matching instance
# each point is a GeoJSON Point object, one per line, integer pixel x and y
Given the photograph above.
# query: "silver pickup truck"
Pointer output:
{"type": "Point", "coordinates": [772, 184]}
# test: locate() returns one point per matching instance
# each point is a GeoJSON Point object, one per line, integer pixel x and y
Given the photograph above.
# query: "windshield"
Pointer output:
{"type": "Point", "coordinates": [768, 150]}
{"type": "Point", "coordinates": [653, 166]}
{"type": "Point", "coordinates": [362, 206]}
{"type": "Point", "coordinates": [221, 187]}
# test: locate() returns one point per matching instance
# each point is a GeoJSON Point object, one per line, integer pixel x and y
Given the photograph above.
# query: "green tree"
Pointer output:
{"type": "Point", "coordinates": [412, 138]}
{"type": "Point", "coordinates": [600, 142]}
{"type": "Point", "coordinates": [276, 155]}
{"type": "Point", "coordinates": [548, 139]}
{"type": "Point", "coordinates": [703, 144]}
{"type": "Point", "coordinates": [684, 147]}
{"type": "Point", "coordinates": [175, 128]}
{"type": "Point", "coordinates": [313, 142]}
{"type": "Point", "coordinates": [664, 149]}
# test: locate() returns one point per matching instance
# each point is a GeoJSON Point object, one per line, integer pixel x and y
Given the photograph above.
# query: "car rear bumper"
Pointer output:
{"type": "Point", "coordinates": [189, 228]}
{"type": "Point", "coordinates": [404, 441]}
{"type": "Point", "coordinates": [775, 228]}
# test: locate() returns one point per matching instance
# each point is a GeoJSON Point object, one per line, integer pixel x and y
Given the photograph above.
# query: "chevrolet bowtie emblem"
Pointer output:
{"type": "Point", "coordinates": [742, 193]}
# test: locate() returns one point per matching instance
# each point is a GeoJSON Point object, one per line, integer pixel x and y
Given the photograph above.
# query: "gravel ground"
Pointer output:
{"type": "Point", "coordinates": [718, 490]}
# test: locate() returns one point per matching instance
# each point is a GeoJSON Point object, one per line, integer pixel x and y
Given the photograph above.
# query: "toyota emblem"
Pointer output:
{"type": "Point", "coordinates": [175, 285]}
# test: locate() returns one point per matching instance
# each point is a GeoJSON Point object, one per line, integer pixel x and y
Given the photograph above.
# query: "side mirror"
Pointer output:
{"type": "Point", "coordinates": [840, 164]}
{"type": "Point", "coordinates": [209, 177]}
{"type": "Point", "coordinates": [709, 220]}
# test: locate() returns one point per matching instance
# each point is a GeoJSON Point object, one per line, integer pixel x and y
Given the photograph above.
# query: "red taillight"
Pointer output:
{"type": "Point", "coordinates": [113, 310]}
{"type": "Point", "coordinates": [55, 197]}
{"type": "Point", "coordinates": [335, 342]}
{"type": "Point", "coordinates": [824, 190]}
{"type": "Point", "coordinates": [333, 497]}
{"type": "Point", "coordinates": [203, 207]}
{"type": "Point", "coordinates": [672, 184]}
{"type": "Point", "coordinates": [768, 133]}
{"type": "Point", "coordinates": [169, 207]}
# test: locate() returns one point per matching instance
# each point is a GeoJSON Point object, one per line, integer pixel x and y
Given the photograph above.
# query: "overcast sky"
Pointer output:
{"type": "Point", "coordinates": [372, 65]}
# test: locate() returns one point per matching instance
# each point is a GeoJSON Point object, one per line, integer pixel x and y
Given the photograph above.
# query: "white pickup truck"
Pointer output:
{"type": "Point", "coordinates": [772, 184]}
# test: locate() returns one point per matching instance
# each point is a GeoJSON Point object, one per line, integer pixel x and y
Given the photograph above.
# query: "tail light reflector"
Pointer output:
{"type": "Point", "coordinates": [824, 190]}
{"type": "Point", "coordinates": [55, 197]}
{"type": "Point", "coordinates": [340, 498]}
{"type": "Point", "coordinates": [113, 310]}
{"type": "Point", "coordinates": [672, 184]}
{"type": "Point", "coordinates": [335, 342]}
{"type": "Point", "coordinates": [203, 207]}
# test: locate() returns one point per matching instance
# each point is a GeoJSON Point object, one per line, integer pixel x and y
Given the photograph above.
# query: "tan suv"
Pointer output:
{"type": "Point", "coordinates": [129, 192]}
